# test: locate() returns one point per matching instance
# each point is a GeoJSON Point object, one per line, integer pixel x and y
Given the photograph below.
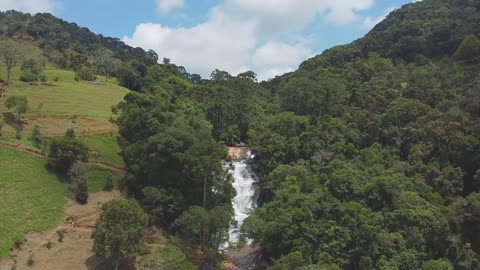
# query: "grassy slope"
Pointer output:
{"type": "Point", "coordinates": [58, 105]}
{"type": "Point", "coordinates": [106, 146]}
{"type": "Point", "coordinates": [32, 198]}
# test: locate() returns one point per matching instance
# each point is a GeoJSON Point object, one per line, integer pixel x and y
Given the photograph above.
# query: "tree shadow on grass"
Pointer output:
{"type": "Point", "coordinates": [100, 263]}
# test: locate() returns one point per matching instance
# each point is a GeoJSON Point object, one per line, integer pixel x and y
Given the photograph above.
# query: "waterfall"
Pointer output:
{"type": "Point", "coordinates": [244, 184]}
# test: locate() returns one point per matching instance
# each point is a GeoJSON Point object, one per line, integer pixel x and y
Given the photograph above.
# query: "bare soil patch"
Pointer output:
{"type": "Point", "coordinates": [75, 251]}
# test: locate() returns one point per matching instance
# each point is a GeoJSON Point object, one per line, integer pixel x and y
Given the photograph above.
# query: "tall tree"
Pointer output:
{"type": "Point", "coordinates": [11, 54]}
{"type": "Point", "coordinates": [119, 231]}
{"type": "Point", "coordinates": [105, 62]}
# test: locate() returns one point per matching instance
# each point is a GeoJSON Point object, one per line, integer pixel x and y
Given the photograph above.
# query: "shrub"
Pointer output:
{"type": "Point", "coordinates": [78, 175]}
{"type": "Point", "coordinates": [49, 245]}
{"type": "Point", "coordinates": [19, 243]}
{"type": "Point", "coordinates": [36, 137]}
{"type": "Point", "coordinates": [43, 78]}
{"type": "Point", "coordinates": [60, 235]}
{"type": "Point", "coordinates": [56, 79]}
{"type": "Point", "coordinates": [108, 183]}
{"type": "Point", "coordinates": [30, 260]}
{"type": "Point", "coordinates": [64, 152]}
{"type": "Point", "coordinates": [70, 133]}
{"type": "Point", "coordinates": [28, 76]}
{"type": "Point", "coordinates": [86, 74]}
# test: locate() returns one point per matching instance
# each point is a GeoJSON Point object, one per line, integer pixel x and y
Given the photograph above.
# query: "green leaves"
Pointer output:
{"type": "Point", "coordinates": [119, 231]}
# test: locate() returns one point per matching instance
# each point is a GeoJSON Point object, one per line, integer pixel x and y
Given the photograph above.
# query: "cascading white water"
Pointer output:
{"type": "Point", "coordinates": [244, 183]}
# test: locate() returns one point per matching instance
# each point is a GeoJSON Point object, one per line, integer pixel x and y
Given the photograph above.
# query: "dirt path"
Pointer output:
{"type": "Point", "coordinates": [75, 251]}
{"type": "Point", "coordinates": [24, 148]}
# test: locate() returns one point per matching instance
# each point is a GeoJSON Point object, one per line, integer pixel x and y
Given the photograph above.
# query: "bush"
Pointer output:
{"type": "Point", "coordinates": [43, 78]}
{"type": "Point", "coordinates": [65, 152]}
{"type": "Point", "coordinates": [18, 134]}
{"type": "Point", "coordinates": [86, 74]}
{"type": "Point", "coordinates": [79, 177]}
{"type": "Point", "coordinates": [49, 245]}
{"type": "Point", "coordinates": [56, 79]}
{"type": "Point", "coordinates": [60, 236]}
{"type": "Point", "coordinates": [19, 242]}
{"type": "Point", "coordinates": [70, 133]}
{"type": "Point", "coordinates": [36, 137]}
{"type": "Point", "coordinates": [28, 76]}
{"type": "Point", "coordinates": [108, 183]}
{"type": "Point", "coordinates": [30, 260]}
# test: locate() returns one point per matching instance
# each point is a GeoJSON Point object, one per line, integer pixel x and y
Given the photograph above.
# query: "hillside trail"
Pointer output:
{"type": "Point", "coordinates": [74, 252]}
{"type": "Point", "coordinates": [26, 149]}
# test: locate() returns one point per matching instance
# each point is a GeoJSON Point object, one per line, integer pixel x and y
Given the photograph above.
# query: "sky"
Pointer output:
{"type": "Point", "coordinates": [271, 37]}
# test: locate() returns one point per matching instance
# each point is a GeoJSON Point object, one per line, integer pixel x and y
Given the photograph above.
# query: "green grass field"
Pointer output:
{"type": "Point", "coordinates": [105, 145]}
{"type": "Point", "coordinates": [32, 199]}
{"type": "Point", "coordinates": [97, 176]}
{"type": "Point", "coordinates": [55, 106]}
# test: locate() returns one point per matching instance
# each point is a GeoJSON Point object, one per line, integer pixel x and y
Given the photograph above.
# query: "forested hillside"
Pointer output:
{"type": "Point", "coordinates": [66, 45]}
{"type": "Point", "coordinates": [369, 153]}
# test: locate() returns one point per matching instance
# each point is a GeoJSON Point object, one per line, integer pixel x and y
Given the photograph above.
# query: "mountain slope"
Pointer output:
{"type": "Point", "coordinates": [369, 153]}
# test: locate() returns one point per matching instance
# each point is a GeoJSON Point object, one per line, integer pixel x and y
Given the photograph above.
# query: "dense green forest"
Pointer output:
{"type": "Point", "coordinates": [368, 154]}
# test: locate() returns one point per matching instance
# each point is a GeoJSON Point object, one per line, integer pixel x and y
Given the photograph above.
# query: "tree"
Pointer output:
{"type": "Point", "coordinates": [105, 62]}
{"type": "Point", "coordinates": [36, 136]}
{"type": "Point", "coordinates": [20, 105]}
{"type": "Point", "coordinates": [469, 50]}
{"type": "Point", "coordinates": [220, 75]}
{"type": "Point", "coordinates": [65, 152]}
{"type": "Point", "coordinates": [77, 62]}
{"type": "Point", "coordinates": [79, 177]}
{"type": "Point", "coordinates": [119, 232]}
{"type": "Point", "coordinates": [12, 54]}
{"type": "Point", "coordinates": [203, 164]}
{"type": "Point", "coordinates": [208, 227]}
{"type": "Point", "coordinates": [248, 75]}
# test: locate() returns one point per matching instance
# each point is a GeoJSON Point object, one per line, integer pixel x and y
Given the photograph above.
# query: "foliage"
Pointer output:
{"type": "Point", "coordinates": [469, 50]}
{"type": "Point", "coordinates": [119, 230]}
{"type": "Point", "coordinates": [19, 103]}
{"type": "Point", "coordinates": [65, 152]}
{"type": "Point", "coordinates": [31, 71]}
{"type": "Point", "coordinates": [36, 137]}
{"type": "Point", "coordinates": [11, 54]}
{"type": "Point", "coordinates": [79, 178]}
{"type": "Point", "coordinates": [108, 183]}
{"type": "Point", "coordinates": [367, 154]}
{"type": "Point", "coordinates": [200, 226]}
{"type": "Point", "coordinates": [70, 134]}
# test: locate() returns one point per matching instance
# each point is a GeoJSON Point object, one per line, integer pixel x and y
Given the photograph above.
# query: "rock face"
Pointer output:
{"type": "Point", "coordinates": [239, 152]}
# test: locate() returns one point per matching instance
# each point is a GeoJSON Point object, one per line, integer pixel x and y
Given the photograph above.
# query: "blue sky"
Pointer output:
{"type": "Point", "coordinates": [269, 36]}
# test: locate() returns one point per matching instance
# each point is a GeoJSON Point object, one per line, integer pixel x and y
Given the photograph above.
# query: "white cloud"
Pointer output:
{"type": "Point", "coordinates": [245, 34]}
{"type": "Point", "coordinates": [276, 58]}
{"type": "Point", "coordinates": [30, 6]}
{"type": "Point", "coordinates": [369, 22]}
{"type": "Point", "coordinates": [165, 6]}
